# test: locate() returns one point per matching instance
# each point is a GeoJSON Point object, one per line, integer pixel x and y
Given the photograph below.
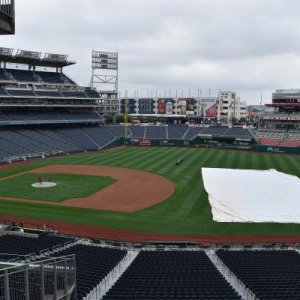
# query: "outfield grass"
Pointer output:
{"type": "Point", "coordinates": [187, 211]}
{"type": "Point", "coordinates": [68, 186]}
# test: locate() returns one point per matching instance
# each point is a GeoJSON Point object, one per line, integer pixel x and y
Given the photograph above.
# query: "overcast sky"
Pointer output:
{"type": "Point", "coordinates": [248, 46]}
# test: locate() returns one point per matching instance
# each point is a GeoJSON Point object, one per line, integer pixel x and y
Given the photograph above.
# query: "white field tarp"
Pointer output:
{"type": "Point", "coordinates": [252, 195]}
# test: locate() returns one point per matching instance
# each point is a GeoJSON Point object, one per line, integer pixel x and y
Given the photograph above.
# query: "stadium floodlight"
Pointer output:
{"type": "Point", "coordinates": [6, 51]}
{"type": "Point", "coordinates": [105, 69]}
{"type": "Point", "coordinates": [55, 57]}
{"type": "Point", "coordinates": [29, 54]}
{"type": "Point", "coordinates": [104, 60]}
{"type": "Point", "coordinates": [7, 16]}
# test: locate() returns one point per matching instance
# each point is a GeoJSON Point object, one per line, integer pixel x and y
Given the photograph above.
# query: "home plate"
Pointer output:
{"type": "Point", "coordinates": [45, 184]}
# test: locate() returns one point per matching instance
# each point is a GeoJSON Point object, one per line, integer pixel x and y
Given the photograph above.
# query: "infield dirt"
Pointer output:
{"type": "Point", "coordinates": [134, 190]}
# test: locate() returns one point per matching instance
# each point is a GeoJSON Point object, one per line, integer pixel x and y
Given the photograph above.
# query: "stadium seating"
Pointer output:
{"type": "Point", "coordinates": [100, 135]}
{"type": "Point", "coordinates": [74, 94]}
{"type": "Point", "coordinates": [176, 131]}
{"type": "Point", "coordinates": [35, 76]}
{"type": "Point", "coordinates": [79, 138]}
{"type": "Point", "coordinates": [19, 138]}
{"type": "Point", "coordinates": [22, 75]}
{"type": "Point", "coordinates": [156, 132]}
{"type": "Point", "coordinates": [48, 93]}
{"type": "Point", "coordinates": [268, 274]}
{"type": "Point", "coordinates": [3, 92]}
{"type": "Point", "coordinates": [21, 93]}
{"type": "Point", "coordinates": [192, 132]}
{"type": "Point", "coordinates": [42, 93]}
{"type": "Point", "coordinates": [19, 245]}
{"type": "Point", "coordinates": [237, 132]}
{"type": "Point", "coordinates": [183, 275]}
{"type": "Point", "coordinates": [34, 142]}
{"type": "Point", "coordinates": [137, 131]}
{"type": "Point", "coordinates": [292, 139]}
{"type": "Point", "coordinates": [3, 75]}
{"type": "Point", "coordinates": [116, 130]}
{"type": "Point", "coordinates": [92, 93]}
{"type": "Point", "coordinates": [54, 77]}
{"type": "Point", "coordinates": [215, 130]}
{"type": "Point", "coordinates": [270, 137]}
{"type": "Point", "coordinates": [48, 115]}
{"type": "Point", "coordinates": [57, 141]}
{"type": "Point", "coordinates": [92, 265]}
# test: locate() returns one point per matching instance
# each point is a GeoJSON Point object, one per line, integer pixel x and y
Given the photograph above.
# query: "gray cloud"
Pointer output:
{"type": "Point", "coordinates": [247, 46]}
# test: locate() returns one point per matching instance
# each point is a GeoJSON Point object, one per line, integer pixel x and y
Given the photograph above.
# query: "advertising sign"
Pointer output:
{"type": "Point", "coordinates": [169, 108]}
{"type": "Point", "coordinates": [161, 106]}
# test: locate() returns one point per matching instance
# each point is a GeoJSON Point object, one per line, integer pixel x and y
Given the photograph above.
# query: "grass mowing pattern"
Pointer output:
{"type": "Point", "coordinates": [68, 186]}
{"type": "Point", "coordinates": [186, 212]}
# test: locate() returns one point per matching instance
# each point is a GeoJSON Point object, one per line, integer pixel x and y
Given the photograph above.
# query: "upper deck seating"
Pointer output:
{"type": "Point", "coordinates": [23, 75]}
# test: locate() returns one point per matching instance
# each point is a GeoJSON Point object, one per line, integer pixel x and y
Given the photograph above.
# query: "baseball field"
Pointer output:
{"type": "Point", "coordinates": [184, 209]}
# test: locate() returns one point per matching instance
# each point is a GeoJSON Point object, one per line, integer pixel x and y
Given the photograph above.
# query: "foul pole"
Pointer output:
{"type": "Point", "coordinates": [126, 116]}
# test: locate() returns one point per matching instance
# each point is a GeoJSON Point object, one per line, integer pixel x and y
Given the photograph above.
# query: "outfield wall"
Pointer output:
{"type": "Point", "coordinates": [235, 145]}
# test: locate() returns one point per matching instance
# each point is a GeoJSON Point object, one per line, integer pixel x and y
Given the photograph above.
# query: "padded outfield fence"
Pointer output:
{"type": "Point", "coordinates": [53, 278]}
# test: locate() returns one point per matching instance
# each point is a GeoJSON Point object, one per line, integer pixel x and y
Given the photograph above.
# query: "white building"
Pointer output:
{"type": "Point", "coordinates": [230, 107]}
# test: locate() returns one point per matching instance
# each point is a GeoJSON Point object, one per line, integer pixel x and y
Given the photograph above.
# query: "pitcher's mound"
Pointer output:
{"type": "Point", "coordinates": [45, 184]}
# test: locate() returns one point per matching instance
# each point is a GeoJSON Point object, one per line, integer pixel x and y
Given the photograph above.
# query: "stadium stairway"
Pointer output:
{"type": "Point", "coordinates": [284, 137]}
{"type": "Point", "coordinates": [13, 145]}
{"type": "Point", "coordinates": [254, 136]}
{"type": "Point", "coordinates": [91, 139]}
{"type": "Point", "coordinates": [35, 138]}
{"type": "Point", "coordinates": [67, 139]}
{"type": "Point", "coordinates": [230, 277]}
{"type": "Point", "coordinates": [62, 143]}
{"type": "Point", "coordinates": [105, 285]}
{"type": "Point", "coordinates": [186, 132]}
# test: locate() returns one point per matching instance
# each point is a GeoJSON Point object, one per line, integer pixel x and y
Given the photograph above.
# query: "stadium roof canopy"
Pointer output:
{"type": "Point", "coordinates": [34, 58]}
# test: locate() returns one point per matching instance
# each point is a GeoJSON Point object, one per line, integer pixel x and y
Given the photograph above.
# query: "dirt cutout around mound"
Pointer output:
{"type": "Point", "coordinates": [134, 190]}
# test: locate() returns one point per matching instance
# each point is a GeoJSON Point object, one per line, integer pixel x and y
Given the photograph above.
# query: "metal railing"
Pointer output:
{"type": "Point", "coordinates": [53, 278]}
{"type": "Point", "coordinates": [7, 7]}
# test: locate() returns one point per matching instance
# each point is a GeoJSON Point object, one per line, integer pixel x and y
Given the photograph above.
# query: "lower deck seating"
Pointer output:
{"type": "Point", "coordinates": [289, 143]}
{"type": "Point", "coordinates": [176, 131]}
{"type": "Point", "coordinates": [79, 137]}
{"type": "Point", "coordinates": [37, 142]}
{"type": "Point", "coordinates": [116, 130]}
{"type": "Point", "coordinates": [292, 139]}
{"type": "Point", "coordinates": [100, 135]}
{"type": "Point", "coordinates": [137, 131]}
{"type": "Point", "coordinates": [270, 142]}
{"type": "Point", "coordinates": [193, 132]}
{"type": "Point", "coordinates": [156, 132]}
{"type": "Point", "coordinates": [270, 137]}
{"type": "Point", "coordinates": [181, 275]}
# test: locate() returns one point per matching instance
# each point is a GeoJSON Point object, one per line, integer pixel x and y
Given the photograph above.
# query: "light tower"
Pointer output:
{"type": "Point", "coordinates": [105, 73]}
